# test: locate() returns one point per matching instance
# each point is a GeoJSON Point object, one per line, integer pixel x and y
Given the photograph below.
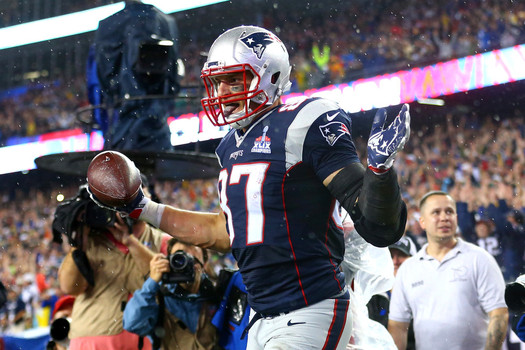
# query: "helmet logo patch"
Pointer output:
{"type": "Point", "coordinates": [258, 42]}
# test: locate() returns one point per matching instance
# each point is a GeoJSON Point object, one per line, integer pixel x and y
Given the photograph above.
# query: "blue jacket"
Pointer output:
{"type": "Point", "coordinates": [231, 318]}
{"type": "Point", "coordinates": [519, 329]}
{"type": "Point", "coordinates": [142, 310]}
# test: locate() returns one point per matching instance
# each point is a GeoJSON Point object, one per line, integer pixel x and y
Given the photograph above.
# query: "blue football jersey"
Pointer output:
{"type": "Point", "coordinates": [284, 225]}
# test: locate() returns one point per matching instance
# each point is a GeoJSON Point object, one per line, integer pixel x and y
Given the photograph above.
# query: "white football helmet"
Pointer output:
{"type": "Point", "coordinates": [240, 50]}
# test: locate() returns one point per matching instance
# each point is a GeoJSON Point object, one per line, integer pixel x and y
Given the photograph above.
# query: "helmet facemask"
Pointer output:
{"type": "Point", "coordinates": [220, 109]}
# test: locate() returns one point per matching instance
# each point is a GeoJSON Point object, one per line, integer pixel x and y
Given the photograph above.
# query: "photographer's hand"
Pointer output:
{"type": "Point", "coordinates": [130, 242]}
{"type": "Point", "coordinates": [120, 231]}
{"type": "Point", "coordinates": [158, 266]}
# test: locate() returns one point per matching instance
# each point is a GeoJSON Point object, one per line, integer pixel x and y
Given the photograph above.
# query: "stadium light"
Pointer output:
{"type": "Point", "coordinates": [81, 22]}
{"type": "Point", "coordinates": [431, 101]}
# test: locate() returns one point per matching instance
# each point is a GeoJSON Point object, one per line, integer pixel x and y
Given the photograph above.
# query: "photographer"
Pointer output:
{"type": "Point", "coordinates": [106, 264]}
{"type": "Point", "coordinates": [515, 300]}
{"type": "Point", "coordinates": [60, 323]}
{"type": "Point", "coordinates": [175, 305]}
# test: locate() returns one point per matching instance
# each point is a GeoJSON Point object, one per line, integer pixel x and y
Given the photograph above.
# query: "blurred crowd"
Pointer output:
{"type": "Point", "coordinates": [41, 108]}
{"type": "Point", "coordinates": [340, 41]}
{"type": "Point", "coordinates": [330, 44]}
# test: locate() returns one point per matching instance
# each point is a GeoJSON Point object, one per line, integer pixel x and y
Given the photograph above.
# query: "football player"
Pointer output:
{"type": "Point", "coordinates": [286, 168]}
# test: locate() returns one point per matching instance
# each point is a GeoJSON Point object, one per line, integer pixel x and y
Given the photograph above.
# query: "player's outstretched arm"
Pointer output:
{"type": "Point", "coordinates": [372, 196]}
{"type": "Point", "coordinates": [114, 182]}
{"type": "Point", "coordinates": [206, 230]}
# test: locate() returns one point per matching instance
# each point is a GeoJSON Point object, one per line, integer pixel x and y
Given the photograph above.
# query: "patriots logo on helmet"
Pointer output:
{"type": "Point", "coordinates": [333, 131]}
{"type": "Point", "coordinates": [258, 42]}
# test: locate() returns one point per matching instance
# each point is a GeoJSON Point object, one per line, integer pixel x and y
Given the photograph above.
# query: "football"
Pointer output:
{"type": "Point", "coordinates": [113, 178]}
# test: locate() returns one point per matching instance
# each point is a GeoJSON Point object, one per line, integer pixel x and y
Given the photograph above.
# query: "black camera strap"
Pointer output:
{"type": "Point", "coordinates": [81, 261]}
{"type": "Point", "coordinates": [158, 331]}
{"type": "Point", "coordinates": [207, 291]}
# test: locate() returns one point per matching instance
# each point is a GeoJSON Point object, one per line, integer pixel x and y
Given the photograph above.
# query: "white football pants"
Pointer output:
{"type": "Point", "coordinates": [326, 325]}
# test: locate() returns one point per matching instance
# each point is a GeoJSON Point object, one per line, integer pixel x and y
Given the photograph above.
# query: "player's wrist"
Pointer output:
{"type": "Point", "coordinates": [378, 171]}
{"type": "Point", "coordinates": [152, 212]}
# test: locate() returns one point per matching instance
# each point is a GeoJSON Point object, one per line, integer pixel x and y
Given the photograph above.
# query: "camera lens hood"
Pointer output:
{"type": "Point", "coordinates": [515, 296]}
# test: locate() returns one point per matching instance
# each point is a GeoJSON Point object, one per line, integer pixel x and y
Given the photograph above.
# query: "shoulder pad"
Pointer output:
{"type": "Point", "coordinates": [317, 107]}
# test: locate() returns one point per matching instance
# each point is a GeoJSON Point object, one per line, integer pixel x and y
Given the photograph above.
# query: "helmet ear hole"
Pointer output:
{"type": "Point", "coordinates": [275, 77]}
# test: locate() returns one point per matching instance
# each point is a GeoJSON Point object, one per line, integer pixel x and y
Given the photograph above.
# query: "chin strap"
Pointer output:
{"type": "Point", "coordinates": [255, 82]}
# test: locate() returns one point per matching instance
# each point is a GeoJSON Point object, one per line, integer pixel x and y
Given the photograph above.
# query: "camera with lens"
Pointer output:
{"type": "Point", "coordinates": [59, 331]}
{"type": "Point", "coordinates": [181, 268]}
{"type": "Point", "coordinates": [78, 210]}
{"type": "Point", "coordinates": [515, 295]}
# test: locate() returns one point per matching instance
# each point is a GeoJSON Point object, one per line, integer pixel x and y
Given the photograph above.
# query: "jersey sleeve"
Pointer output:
{"type": "Point", "coordinates": [328, 144]}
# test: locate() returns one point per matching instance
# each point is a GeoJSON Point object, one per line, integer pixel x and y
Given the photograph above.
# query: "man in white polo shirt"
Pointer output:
{"type": "Point", "coordinates": [453, 290]}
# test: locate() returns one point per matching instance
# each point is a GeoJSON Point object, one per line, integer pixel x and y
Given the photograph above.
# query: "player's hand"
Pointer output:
{"type": "Point", "coordinates": [132, 209]}
{"type": "Point", "coordinates": [383, 144]}
{"type": "Point", "coordinates": [135, 207]}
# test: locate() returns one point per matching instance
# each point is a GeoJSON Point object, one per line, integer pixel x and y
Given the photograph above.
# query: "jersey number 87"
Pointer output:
{"type": "Point", "coordinates": [253, 199]}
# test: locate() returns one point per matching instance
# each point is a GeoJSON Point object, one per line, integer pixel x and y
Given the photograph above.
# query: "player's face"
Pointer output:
{"type": "Point", "coordinates": [231, 84]}
{"type": "Point", "coordinates": [439, 218]}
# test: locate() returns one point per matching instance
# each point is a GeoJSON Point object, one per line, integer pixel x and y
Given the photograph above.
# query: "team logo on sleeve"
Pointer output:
{"type": "Point", "coordinates": [262, 143]}
{"type": "Point", "coordinates": [333, 131]}
{"type": "Point", "coordinates": [258, 42]}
